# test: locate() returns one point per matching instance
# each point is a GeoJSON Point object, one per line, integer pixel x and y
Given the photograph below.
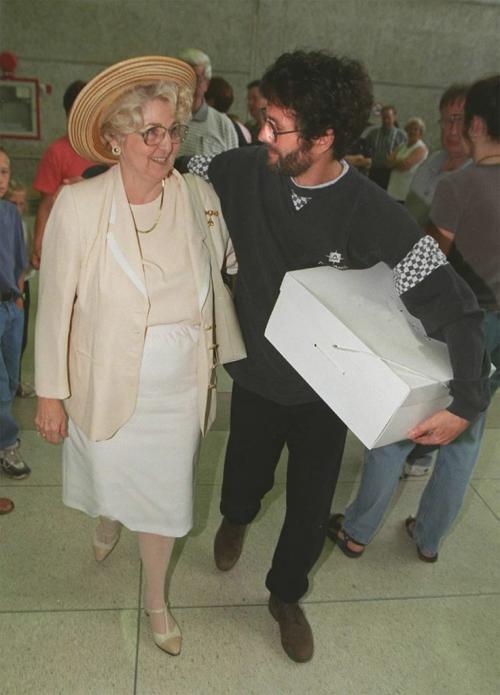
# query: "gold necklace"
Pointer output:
{"type": "Point", "coordinates": [146, 231]}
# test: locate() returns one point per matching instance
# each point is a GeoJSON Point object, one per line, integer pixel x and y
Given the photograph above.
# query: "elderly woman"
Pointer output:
{"type": "Point", "coordinates": [125, 327]}
{"type": "Point", "coordinates": [405, 160]}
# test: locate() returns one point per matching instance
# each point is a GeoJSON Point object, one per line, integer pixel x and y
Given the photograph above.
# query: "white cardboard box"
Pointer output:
{"type": "Point", "coordinates": [350, 337]}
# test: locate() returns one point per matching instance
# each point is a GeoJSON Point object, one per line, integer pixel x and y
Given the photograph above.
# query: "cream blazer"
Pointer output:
{"type": "Point", "coordinates": [93, 305]}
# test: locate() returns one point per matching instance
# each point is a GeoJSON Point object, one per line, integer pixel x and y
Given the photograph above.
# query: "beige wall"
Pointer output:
{"type": "Point", "coordinates": [413, 49]}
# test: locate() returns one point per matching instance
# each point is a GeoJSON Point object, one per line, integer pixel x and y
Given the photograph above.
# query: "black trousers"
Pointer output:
{"type": "Point", "coordinates": [315, 438]}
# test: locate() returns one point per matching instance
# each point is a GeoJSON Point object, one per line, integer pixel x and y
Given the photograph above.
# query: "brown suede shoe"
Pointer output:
{"type": "Point", "coordinates": [296, 633]}
{"type": "Point", "coordinates": [228, 544]}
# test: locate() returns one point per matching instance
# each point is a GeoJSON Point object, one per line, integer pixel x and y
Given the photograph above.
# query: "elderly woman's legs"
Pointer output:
{"type": "Point", "coordinates": [106, 536]}
{"type": "Point", "coordinates": [155, 553]}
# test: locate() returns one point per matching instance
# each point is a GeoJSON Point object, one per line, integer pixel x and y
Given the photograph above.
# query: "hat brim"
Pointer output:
{"type": "Point", "coordinates": [92, 103]}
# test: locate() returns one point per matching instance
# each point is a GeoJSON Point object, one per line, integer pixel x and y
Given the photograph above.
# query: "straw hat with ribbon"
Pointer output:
{"type": "Point", "coordinates": [93, 102]}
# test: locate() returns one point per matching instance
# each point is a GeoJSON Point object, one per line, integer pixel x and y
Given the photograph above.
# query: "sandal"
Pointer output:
{"type": "Point", "coordinates": [334, 532]}
{"type": "Point", "coordinates": [410, 528]}
{"type": "Point", "coordinates": [6, 505]}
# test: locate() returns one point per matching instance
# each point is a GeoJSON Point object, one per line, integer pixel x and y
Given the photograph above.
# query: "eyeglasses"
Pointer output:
{"type": "Point", "coordinates": [271, 130]}
{"type": "Point", "coordinates": [453, 119]}
{"type": "Point", "coordinates": [155, 134]}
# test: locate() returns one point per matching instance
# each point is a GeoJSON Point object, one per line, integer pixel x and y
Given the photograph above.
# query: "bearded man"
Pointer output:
{"type": "Point", "coordinates": [295, 203]}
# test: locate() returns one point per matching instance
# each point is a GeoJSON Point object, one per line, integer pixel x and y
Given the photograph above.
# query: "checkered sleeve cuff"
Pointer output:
{"type": "Point", "coordinates": [420, 262]}
{"type": "Point", "coordinates": [198, 164]}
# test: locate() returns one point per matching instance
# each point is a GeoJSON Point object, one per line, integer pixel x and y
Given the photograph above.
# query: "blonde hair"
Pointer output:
{"type": "Point", "coordinates": [415, 120]}
{"type": "Point", "coordinates": [125, 116]}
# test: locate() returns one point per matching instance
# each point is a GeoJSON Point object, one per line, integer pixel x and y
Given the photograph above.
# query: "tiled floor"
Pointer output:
{"type": "Point", "coordinates": [385, 625]}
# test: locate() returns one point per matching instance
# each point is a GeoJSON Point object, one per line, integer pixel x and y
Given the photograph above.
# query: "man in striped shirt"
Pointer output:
{"type": "Point", "coordinates": [382, 141]}
{"type": "Point", "coordinates": [210, 132]}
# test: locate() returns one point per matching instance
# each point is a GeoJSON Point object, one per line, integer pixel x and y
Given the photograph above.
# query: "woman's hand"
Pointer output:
{"type": "Point", "coordinates": [392, 159]}
{"type": "Point", "coordinates": [51, 420]}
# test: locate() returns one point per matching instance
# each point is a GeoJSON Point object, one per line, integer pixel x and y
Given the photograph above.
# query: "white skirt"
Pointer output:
{"type": "Point", "coordinates": [143, 476]}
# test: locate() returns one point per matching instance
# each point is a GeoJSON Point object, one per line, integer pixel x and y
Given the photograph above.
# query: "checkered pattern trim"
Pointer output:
{"type": "Point", "coordinates": [420, 262]}
{"type": "Point", "coordinates": [198, 164]}
{"type": "Point", "coordinates": [299, 200]}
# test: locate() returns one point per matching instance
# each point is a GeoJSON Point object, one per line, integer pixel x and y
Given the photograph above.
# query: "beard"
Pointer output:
{"type": "Point", "coordinates": [294, 163]}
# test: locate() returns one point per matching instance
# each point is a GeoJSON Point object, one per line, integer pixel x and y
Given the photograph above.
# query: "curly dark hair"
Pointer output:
{"type": "Point", "coordinates": [323, 91]}
{"type": "Point", "coordinates": [483, 100]}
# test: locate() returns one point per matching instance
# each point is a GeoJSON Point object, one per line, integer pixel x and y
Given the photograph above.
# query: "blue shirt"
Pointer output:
{"type": "Point", "coordinates": [13, 257]}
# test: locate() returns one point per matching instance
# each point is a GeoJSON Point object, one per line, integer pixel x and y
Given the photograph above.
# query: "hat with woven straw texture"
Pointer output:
{"type": "Point", "coordinates": [93, 102]}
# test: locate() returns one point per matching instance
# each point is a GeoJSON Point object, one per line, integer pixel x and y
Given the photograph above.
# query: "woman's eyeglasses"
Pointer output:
{"type": "Point", "coordinates": [155, 134]}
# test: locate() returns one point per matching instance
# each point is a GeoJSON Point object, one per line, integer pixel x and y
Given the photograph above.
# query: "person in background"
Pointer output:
{"type": "Point", "coordinates": [220, 96]}
{"type": "Point", "coordinates": [256, 105]}
{"type": "Point", "coordinates": [59, 164]}
{"type": "Point", "coordinates": [454, 156]}
{"type": "Point", "coordinates": [406, 158]}
{"type": "Point", "coordinates": [18, 195]}
{"type": "Point", "coordinates": [210, 132]}
{"type": "Point", "coordinates": [4, 172]}
{"type": "Point", "coordinates": [465, 213]}
{"type": "Point", "coordinates": [13, 262]}
{"type": "Point", "coordinates": [382, 141]}
{"type": "Point", "coordinates": [359, 156]}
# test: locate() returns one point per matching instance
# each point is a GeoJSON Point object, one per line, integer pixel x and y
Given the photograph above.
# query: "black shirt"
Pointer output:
{"type": "Point", "coordinates": [277, 226]}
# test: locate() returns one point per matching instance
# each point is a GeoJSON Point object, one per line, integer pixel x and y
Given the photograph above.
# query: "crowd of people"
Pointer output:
{"type": "Point", "coordinates": [157, 192]}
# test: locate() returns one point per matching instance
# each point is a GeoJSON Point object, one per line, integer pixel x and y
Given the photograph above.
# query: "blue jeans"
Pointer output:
{"type": "Point", "coordinates": [11, 336]}
{"type": "Point", "coordinates": [442, 498]}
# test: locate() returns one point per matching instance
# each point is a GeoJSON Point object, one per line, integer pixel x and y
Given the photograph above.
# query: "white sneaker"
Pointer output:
{"type": "Point", "coordinates": [11, 463]}
{"type": "Point", "coordinates": [412, 470]}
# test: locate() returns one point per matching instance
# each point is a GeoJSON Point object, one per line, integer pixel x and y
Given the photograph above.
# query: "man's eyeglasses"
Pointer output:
{"type": "Point", "coordinates": [155, 134]}
{"type": "Point", "coordinates": [453, 119]}
{"type": "Point", "coordinates": [272, 132]}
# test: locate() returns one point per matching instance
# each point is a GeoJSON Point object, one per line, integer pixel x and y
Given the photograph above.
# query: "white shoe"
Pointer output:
{"type": "Point", "coordinates": [12, 464]}
{"type": "Point", "coordinates": [171, 640]}
{"type": "Point", "coordinates": [413, 471]}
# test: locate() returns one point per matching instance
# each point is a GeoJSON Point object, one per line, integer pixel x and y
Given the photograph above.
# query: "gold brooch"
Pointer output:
{"type": "Point", "coordinates": [210, 214]}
